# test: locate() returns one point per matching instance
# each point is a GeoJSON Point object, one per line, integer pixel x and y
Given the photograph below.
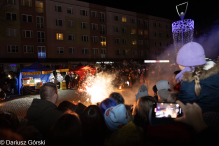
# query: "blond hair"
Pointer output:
{"type": "Point", "coordinates": [197, 73]}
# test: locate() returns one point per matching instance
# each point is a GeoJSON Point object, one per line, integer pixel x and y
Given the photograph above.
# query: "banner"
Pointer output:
{"type": "Point", "coordinates": [47, 72]}
{"type": "Point", "coordinates": [32, 73]}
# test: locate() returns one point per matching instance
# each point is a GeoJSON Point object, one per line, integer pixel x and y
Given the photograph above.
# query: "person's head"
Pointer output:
{"type": "Point", "coordinates": [93, 124]}
{"type": "Point", "coordinates": [9, 120]}
{"type": "Point", "coordinates": [117, 97]}
{"type": "Point", "coordinates": [163, 84]}
{"type": "Point", "coordinates": [67, 129]}
{"type": "Point", "coordinates": [143, 91]}
{"type": "Point", "coordinates": [107, 103]}
{"type": "Point", "coordinates": [67, 105]}
{"type": "Point", "coordinates": [143, 107]}
{"type": "Point", "coordinates": [163, 95]}
{"type": "Point", "coordinates": [116, 117]}
{"type": "Point", "coordinates": [49, 91]}
{"type": "Point", "coordinates": [155, 90]}
{"type": "Point", "coordinates": [173, 96]}
{"type": "Point", "coordinates": [192, 54]}
{"type": "Point", "coordinates": [0, 89]}
{"type": "Point", "coordinates": [173, 77]}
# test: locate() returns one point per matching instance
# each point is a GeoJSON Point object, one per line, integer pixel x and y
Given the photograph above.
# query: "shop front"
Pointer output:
{"type": "Point", "coordinates": [33, 77]}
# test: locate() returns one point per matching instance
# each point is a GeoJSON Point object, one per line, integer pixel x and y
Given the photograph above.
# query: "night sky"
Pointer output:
{"type": "Point", "coordinates": [204, 13]}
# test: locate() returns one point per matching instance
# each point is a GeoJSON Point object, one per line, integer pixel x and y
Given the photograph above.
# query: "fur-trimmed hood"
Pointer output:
{"type": "Point", "coordinates": [207, 72]}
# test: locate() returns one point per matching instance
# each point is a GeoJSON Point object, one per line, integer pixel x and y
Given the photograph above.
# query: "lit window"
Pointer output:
{"type": "Point", "coordinates": [41, 51]}
{"type": "Point", "coordinates": [103, 41]}
{"type": "Point", "coordinates": [133, 31]}
{"type": "Point", "coordinates": [39, 7]}
{"type": "Point", "coordinates": [123, 19]}
{"type": "Point", "coordinates": [140, 32]}
{"type": "Point", "coordinates": [134, 42]}
{"type": "Point", "coordinates": [59, 36]}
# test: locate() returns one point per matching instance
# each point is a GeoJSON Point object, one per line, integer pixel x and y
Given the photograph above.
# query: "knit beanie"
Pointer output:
{"type": "Point", "coordinates": [163, 84]}
{"type": "Point", "coordinates": [191, 54]}
{"type": "Point", "coordinates": [143, 91]}
{"type": "Point", "coordinates": [116, 117]}
{"type": "Point", "coordinates": [164, 94]}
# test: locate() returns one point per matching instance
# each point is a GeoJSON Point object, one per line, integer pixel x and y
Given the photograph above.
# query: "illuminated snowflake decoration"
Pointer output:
{"type": "Point", "coordinates": [182, 32]}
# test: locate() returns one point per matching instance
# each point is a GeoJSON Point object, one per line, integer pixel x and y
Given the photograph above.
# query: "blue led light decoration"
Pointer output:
{"type": "Point", "coordinates": [182, 30]}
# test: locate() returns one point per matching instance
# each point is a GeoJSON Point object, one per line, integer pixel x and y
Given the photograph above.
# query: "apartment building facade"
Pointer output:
{"type": "Point", "coordinates": [70, 30]}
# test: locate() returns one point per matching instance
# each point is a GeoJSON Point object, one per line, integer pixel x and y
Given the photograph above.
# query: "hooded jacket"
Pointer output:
{"type": "Point", "coordinates": [42, 114]}
{"type": "Point", "coordinates": [209, 82]}
{"type": "Point", "coordinates": [130, 134]}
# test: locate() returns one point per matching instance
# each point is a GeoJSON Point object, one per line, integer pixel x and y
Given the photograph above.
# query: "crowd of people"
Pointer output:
{"type": "Point", "coordinates": [113, 123]}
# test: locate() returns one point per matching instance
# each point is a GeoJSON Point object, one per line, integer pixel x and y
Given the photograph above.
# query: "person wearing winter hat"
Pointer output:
{"type": "Point", "coordinates": [163, 84]}
{"type": "Point", "coordinates": [163, 95]}
{"type": "Point", "coordinates": [199, 79]}
{"type": "Point", "coordinates": [143, 91]}
{"type": "Point", "coordinates": [124, 132]}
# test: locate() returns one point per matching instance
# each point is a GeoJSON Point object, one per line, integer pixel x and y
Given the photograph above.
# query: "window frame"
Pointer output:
{"type": "Point", "coordinates": [27, 18]}
{"type": "Point", "coordinates": [72, 23]}
{"type": "Point", "coordinates": [85, 12]}
{"type": "Point", "coordinates": [16, 49]}
{"type": "Point", "coordinates": [58, 21]}
{"type": "Point", "coordinates": [9, 32]}
{"type": "Point", "coordinates": [59, 50]}
{"type": "Point", "coordinates": [102, 29]}
{"type": "Point", "coordinates": [116, 40]}
{"type": "Point", "coordinates": [39, 8]}
{"type": "Point", "coordinates": [57, 8]}
{"type": "Point", "coordinates": [11, 16]}
{"type": "Point", "coordinates": [42, 39]}
{"type": "Point", "coordinates": [71, 9]}
{"type": "Point", "coordinates": [59, 37]}
{"type": "Point", "coordinates": [94, 26]}
{"type": "Point", "coordinates": [40, 23]}
{"type": "Point", "coordinates": [85, 38]}
{"type": "Point", "coordinates": [116, 18]}
{"type": "Point", "coordinates": [72, 49]}
{"type": "Point", "coordinates": [25, 34]}
{"type": "Point", "coordinates": [95, 51]}
{"type": "Point", "coordinates": [30, 4]}
{"type": "Point", "coordinates": [72, 37]}
{"type": "Point", "coordinates": [95, 39]}
{"type": "Point", "coordinates": [102, 17]}
{"type": "Point", "coordinates": [93, 12]}
{"type": "Point", "coordinates": [26, 52]}
{"type": "Point", "coordinates": [85, 51]}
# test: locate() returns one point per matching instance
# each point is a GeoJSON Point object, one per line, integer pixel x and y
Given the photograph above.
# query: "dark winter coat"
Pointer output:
{"type": "Point", "coordinates": [209, 81]}
{"type": "Point", "coordinates": [42, 114]}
